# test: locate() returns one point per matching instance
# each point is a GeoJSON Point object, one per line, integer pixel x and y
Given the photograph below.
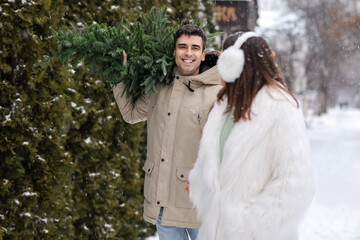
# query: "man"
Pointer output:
{"type": "Point", "coordinates": [175, 116]}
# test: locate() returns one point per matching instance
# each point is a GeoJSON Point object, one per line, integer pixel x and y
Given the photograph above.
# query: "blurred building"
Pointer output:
{"type": "Point", "coordinates": [234, 16]}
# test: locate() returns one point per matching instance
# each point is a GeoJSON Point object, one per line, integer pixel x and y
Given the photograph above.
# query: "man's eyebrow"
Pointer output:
{"type": "Point", "coordinates": [184, 44]}
{"type": "Point", "coordinates": [195, 45]}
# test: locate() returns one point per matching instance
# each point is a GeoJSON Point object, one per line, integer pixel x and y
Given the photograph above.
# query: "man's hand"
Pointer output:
{"type": "Point", "coordinates": [125, 57]}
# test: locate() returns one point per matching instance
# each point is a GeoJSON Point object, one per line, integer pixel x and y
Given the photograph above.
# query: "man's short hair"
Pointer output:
{"type": "Point", "coordinates": [190, 30]}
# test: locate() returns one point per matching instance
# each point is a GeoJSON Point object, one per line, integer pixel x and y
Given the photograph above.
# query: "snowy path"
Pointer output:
{"type": "Point", "coordinates": [335, 150]}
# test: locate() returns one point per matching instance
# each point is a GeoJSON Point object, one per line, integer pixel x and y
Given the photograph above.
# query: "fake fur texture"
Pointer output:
{"type": "Point", "coordinates": [264, 184]}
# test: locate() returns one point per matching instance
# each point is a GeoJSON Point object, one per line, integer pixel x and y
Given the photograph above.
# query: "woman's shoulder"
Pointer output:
{"type": "Point", "coordinates": [276, 97]}
{"type": "Point", "coordinates": [278, 93]}
{"type": "Point", "coordinates": [272, 101]}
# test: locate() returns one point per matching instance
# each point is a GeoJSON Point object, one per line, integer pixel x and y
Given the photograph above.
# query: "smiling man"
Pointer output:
{"type": "Point", "coordinates": [175, 117]}
{"type": "Point", "coordinates": [188, 53]}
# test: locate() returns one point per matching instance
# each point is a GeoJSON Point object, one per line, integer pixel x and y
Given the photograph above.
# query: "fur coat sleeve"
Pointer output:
{"type": "Point", "coordinates": [264, 183]}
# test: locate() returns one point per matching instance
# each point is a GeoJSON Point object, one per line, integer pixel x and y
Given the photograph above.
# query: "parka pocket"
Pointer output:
{"type": "Point", "coordinates": [148, 169]}
{"type": "Point", "coordinates": [182, 197]}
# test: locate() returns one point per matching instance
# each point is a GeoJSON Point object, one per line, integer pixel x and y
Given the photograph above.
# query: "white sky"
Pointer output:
{"type": "Point", "coordinates": [269, 12]}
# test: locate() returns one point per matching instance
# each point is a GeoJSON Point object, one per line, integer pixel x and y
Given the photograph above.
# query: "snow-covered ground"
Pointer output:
{"type": "Point", "coordinates": [335, 149]}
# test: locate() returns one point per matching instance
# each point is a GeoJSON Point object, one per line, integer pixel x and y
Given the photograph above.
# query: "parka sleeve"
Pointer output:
{"type": "Point", "coordinates": [276, 211]}
{"type": "Point", "coordinates": [131, 113]}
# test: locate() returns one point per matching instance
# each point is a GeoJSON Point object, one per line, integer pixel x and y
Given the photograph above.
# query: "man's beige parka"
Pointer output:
{"type": "Point", "coordinates": [175, 118]}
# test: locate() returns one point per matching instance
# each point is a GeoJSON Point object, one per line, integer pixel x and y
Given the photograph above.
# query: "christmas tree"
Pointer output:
{"type": "Point", "coordinates": [148, 44]}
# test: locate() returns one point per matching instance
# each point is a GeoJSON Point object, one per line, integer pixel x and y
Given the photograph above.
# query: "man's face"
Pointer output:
{"type": "Point", "coordinates": [188, 54]}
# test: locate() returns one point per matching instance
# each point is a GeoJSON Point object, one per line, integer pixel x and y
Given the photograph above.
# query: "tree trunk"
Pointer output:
{"type": "Point", "coordinates": [322, 97]}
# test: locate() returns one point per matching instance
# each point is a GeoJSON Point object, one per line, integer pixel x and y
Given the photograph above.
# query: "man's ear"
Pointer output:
{"type": "Point", "coordinates": [203, 56]}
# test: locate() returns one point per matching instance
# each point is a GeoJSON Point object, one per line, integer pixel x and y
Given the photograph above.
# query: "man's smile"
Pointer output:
{"type": "Point", "coordinates": [188, 60]}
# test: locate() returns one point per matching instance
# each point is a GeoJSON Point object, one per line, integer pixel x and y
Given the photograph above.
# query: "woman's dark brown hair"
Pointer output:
{"type": "Point", "coordinates": [259, 69]}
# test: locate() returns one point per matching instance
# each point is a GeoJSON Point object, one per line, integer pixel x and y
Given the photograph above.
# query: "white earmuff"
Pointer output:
{"type": "Point", "coordinates": [231, 61]}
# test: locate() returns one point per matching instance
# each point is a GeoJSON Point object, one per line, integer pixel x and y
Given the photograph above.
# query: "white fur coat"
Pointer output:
{"type": "Point", "coordinates": [264, 184]}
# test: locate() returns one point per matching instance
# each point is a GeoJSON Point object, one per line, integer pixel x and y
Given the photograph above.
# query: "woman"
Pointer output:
{"type": "Point", "coordinates": [252, 179]}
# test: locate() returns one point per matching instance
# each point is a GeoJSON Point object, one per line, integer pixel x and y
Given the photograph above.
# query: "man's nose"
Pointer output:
{"type": "Point", "coordinates": [189, 52]}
